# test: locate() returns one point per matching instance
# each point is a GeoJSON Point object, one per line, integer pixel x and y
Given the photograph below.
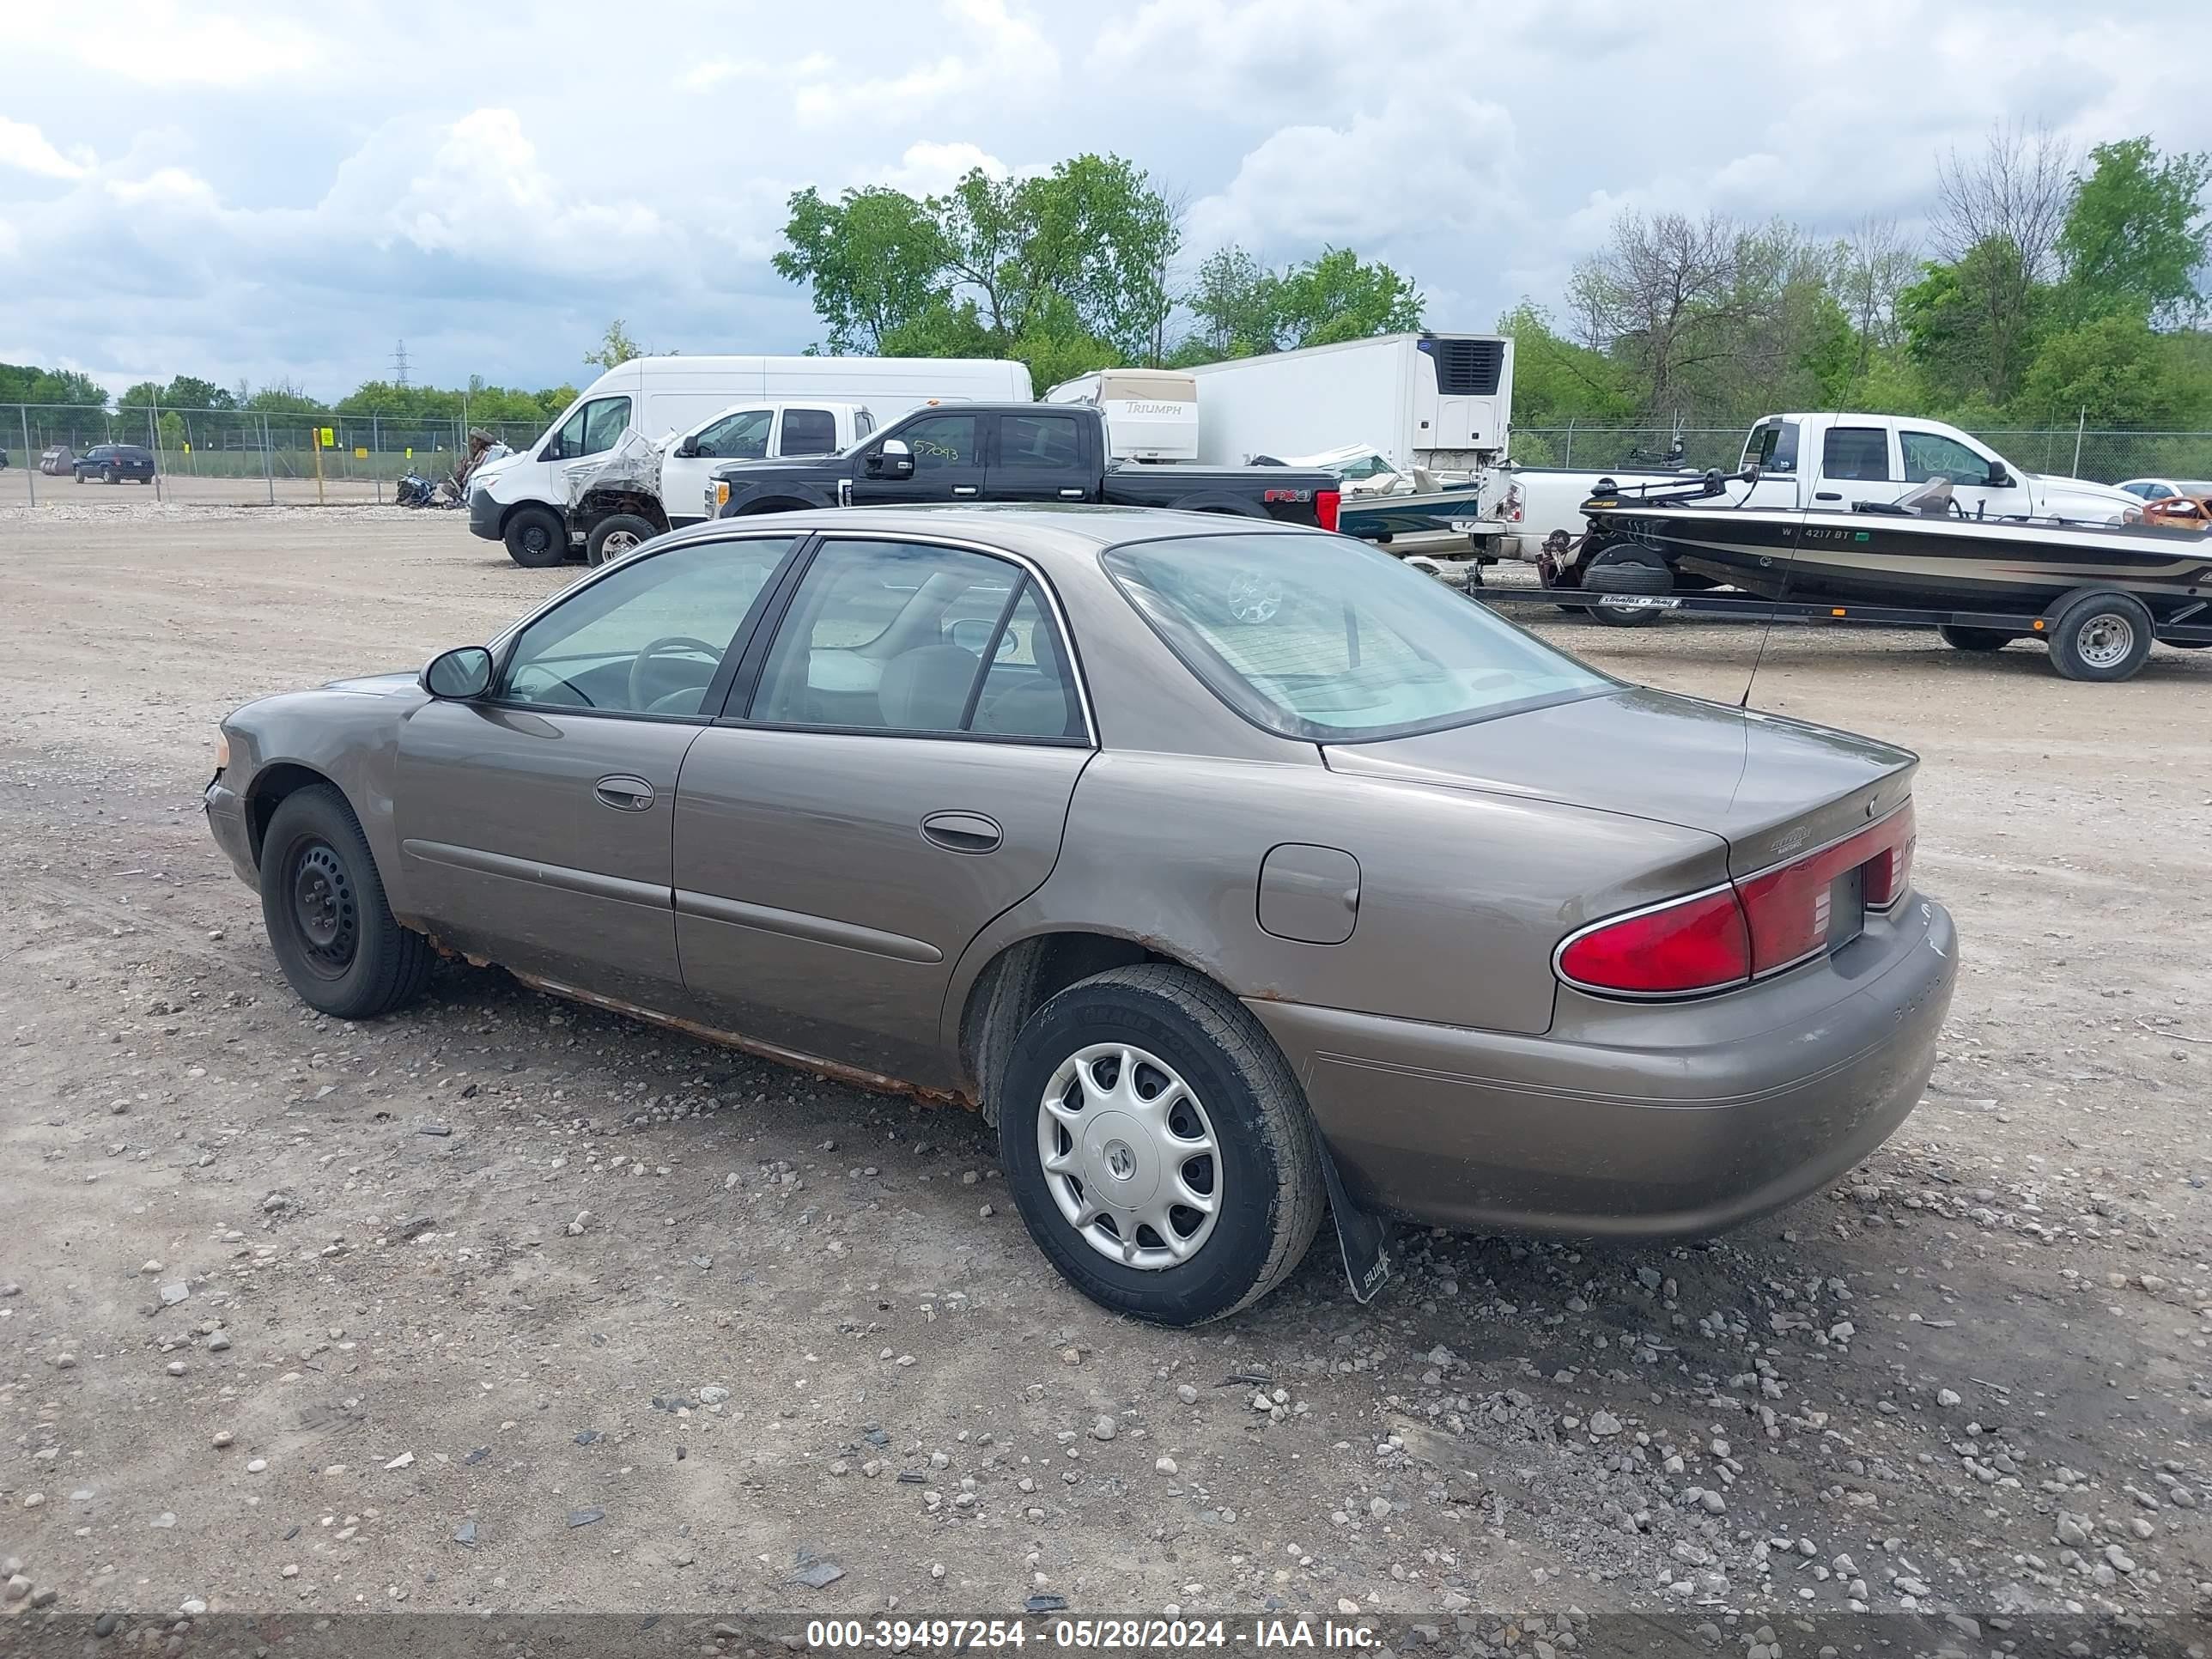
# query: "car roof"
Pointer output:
{"type": "Point", "coordinates": [1044, 530]}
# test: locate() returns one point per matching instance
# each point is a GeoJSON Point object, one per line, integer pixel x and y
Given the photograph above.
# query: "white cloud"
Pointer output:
{"type": "Point", "coordinates": [1001, 56]}
{"type": "Point", "coordinates": [1378, 177]}
{"type": "Point", "coordinates": [22, 145]}
{"type": "Point", "coordinates": [713, 71]}
{"type": "Point", "coordinates": [160, 43]}
{"type": "Point", "coordinates": [931, 169]}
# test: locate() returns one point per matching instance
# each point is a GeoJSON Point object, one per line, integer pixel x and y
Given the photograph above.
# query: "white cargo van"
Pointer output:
{"type": "Point", "coordinates": [521, 499]}
{"type": "Point", "coordinates": [1152, 414]}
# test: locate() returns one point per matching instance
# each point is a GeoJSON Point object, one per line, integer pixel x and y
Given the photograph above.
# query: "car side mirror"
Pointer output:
{"type": "Point", "coordinates": [1999, 478]}
{"type": "Point", "coordinates": [893, 460]}
{"type": "Point", "coordinates": [690, 447]}
{"type": "Point", "coordinates": [458, 675]}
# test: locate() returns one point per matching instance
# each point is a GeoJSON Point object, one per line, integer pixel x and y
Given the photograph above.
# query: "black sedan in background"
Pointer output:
{"type": "Point", "coordinates": [113, 462]}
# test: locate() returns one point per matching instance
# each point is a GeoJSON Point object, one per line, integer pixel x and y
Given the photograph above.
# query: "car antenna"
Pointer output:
{"type": "Point", "coordinates": [1789, 569]}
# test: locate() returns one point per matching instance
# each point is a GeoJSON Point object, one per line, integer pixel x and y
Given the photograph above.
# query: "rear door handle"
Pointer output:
{"type": "Point", "coordinates": [963, 832]}
{"type": "Point", "coordinates": [623, 792]}
{"type": "Point", "coordinates": [1071, 494]}
{"type": "Point", "coordinates": [1827, 495]}
{"type": "Point", "coordinates": [963, 489]}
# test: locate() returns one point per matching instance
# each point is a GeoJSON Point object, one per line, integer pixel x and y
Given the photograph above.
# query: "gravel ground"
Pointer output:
{"type": "Point", "coordinates": [506, 1304]}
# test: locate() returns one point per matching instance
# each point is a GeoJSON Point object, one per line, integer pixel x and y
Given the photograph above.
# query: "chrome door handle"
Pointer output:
{"type": "Point", "coordinates": [963, 832]}
{"type": "Point", "coordinates": [1071, 494]}
{"type": "Point", "coordinates": [963, 489]}
{"type": "Point", "coordinates": [624, 793]}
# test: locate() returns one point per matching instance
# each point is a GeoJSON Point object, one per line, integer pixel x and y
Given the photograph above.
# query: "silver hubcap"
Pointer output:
{"type": "Point", "coordinates": [1130, 1157]}
{"type": "Point", "coordinates": [2106, 641]}
{"type": "Point", "coordinates": [618, 544]}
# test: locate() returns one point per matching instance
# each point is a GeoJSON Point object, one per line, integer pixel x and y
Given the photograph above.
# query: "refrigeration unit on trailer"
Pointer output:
{"type": "Point", "coordinates": [1442, 403]}
{"type": "Point", "coordinates": [1152, 414]}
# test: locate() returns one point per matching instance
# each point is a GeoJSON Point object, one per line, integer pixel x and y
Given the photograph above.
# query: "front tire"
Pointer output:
{"type": "Point", "coordinates": [2101, 636]}
{"type": "Point", "coordinates": [323, 904]}
{"type": "Point", "coordinates": [535, 538]}
{"type": "Point", "coordinates": [615, 536]}
{"type": "Point", "coordinates": [1158, 1147]}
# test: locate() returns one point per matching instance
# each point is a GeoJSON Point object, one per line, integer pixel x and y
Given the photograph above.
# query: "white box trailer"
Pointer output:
{"type": "Point", "coordinates": [1440, 402]}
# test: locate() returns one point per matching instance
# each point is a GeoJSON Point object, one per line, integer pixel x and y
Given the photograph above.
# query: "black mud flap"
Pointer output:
{"type": "Point", "coordinates": [1365, 1239]}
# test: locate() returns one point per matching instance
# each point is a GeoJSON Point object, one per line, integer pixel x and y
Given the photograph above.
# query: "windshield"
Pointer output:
{"type": "Point", "coordinates": [1316, 637]}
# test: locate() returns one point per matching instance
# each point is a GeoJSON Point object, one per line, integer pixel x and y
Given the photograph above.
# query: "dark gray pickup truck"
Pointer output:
{"type": "Point", "coordinates": [1013, 452]}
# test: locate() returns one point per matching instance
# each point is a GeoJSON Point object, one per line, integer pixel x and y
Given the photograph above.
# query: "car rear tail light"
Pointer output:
{"type": "Point", "coordinates": [1326, 502]}
{"type": "Point", "coordinates": [1791, 907]}
{"type": "Point", "coordinates": [1697, 943]}
{"type": "Point", "coordinates": [1760, 925]}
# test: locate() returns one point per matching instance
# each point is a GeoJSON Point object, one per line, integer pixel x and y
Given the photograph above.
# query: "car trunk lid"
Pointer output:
{"type": "Point", "coordinates": [1772, 789]}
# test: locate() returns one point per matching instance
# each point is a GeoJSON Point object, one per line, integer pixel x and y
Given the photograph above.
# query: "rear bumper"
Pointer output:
{"type": "Point", "coordinates": [1633, 1122]}
{"type": "Point", "coordinates": [226, 817]}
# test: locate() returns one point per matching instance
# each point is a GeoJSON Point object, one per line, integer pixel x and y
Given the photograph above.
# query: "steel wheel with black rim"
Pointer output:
{"type": "Point", "coordinates": [535, 538]}
{"type": "Point", "coordinates": [1158, 1146]}
{"type": "Point", "coordinates": [323, 905]}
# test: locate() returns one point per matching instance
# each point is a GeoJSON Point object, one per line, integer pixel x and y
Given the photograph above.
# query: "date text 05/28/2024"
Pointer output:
{"type": "Point", "coordinates": [955, 1635]}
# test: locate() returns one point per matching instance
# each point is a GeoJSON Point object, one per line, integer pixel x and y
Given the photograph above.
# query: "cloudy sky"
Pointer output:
{"type": "Point", "coordinates": [280, 192]}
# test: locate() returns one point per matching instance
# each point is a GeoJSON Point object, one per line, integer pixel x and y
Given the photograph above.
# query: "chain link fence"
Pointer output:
{"type": "Point", "coordinates": [2107, 455]}
{"type": "Point", "coordinates": [267, 457]}
{"type": "Point", "coordinates": [240, 456]}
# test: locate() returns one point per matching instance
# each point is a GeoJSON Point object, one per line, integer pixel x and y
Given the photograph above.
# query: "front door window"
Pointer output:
{"type": "Point", "coordinates": [648, 638]}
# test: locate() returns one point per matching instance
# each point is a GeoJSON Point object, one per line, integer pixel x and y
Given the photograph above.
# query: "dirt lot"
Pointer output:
{"type": "Point", "coordinates": [504, 1304]}
{"type": "Point", "coordinates": [18, 484]}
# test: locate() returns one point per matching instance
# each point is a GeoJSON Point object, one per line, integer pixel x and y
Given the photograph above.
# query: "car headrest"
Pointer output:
{"type": "Point", "coordinates": [926, 690]}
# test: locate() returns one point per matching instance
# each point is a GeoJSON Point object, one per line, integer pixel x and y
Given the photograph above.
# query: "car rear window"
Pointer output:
{"type": "Point", "coordinates": [1317, 637]}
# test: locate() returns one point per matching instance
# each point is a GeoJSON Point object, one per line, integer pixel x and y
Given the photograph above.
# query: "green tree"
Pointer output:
{"type": "Point", "coordinates": [1065, 267]}
{"type": "Point", "coordinates": [873, 259]}
{"type": "Point", "coordinates": [1231, 297]}
{"type": "Point", "coordinates": [2108, 368]}
{"type": "Point", "coordinates": [2136, 237]}
{"type": "Point", "coordinates": [190, 392]}
{"type": "Point", "coordinates": [616, 347]}
{"type": "Point", "coordinates": [1340, 296]}
{"type": "Point", "coordinates": [1970, 325]}
{"type": "Point", "coordinates": [1244, 308]}
{"type": "Point", "coordinates": [1555, 381]}
{"type": "Point", "coordinates": [27, 383]}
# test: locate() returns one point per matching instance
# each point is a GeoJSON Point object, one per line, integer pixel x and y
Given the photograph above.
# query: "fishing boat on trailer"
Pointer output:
{"type": "Point", "coordinates": [2100, 594]}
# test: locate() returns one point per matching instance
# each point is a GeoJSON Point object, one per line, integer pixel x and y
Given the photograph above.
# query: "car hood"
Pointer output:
{"type": "Point", "coordinates": [379, 685]}
{"type": "Point", "coordinates": [2058, 487]}
{"type": "Point", "coordinates": [1769, 787]}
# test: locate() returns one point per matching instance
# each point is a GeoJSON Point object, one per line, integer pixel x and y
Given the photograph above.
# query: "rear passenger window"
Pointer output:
{"type": "Point", "coordinates": [808, 432]}
{"type": "Point", "coordinates": [1037, 440]}
{"type": "Point", "coordinates": [902, 637]}
{"type": "Point", "coordinates": [1860, 452]}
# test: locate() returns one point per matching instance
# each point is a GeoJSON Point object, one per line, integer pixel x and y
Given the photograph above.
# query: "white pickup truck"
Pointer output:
{"type": "Point", "coordinates": [642, 488]}
{"type": "Point", "coordinates": [1833, 460]}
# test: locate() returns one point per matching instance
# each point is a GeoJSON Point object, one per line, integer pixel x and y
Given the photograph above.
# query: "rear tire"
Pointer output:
{"type": "Point", "coordinates": [617, 535]}
{"type": "Point", "coordinates": [2103, 637]}
{"type": "Point", "coordinates": [535, 538]}
{"type": "Point", "coordinates": [323, 904]}
{"type": "Point", "coordinates": [1960, 638]}
{"type": "Point", "coordinates": [1228, 1090]}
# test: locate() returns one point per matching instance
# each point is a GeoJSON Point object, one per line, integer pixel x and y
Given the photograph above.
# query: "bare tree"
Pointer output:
{"type": "Point", "coordinates": [2001, 212]}
{"type": "Point", "coordinates": [1652, 297]}
{"type": "Point", "coordinates": [1871, 264]}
